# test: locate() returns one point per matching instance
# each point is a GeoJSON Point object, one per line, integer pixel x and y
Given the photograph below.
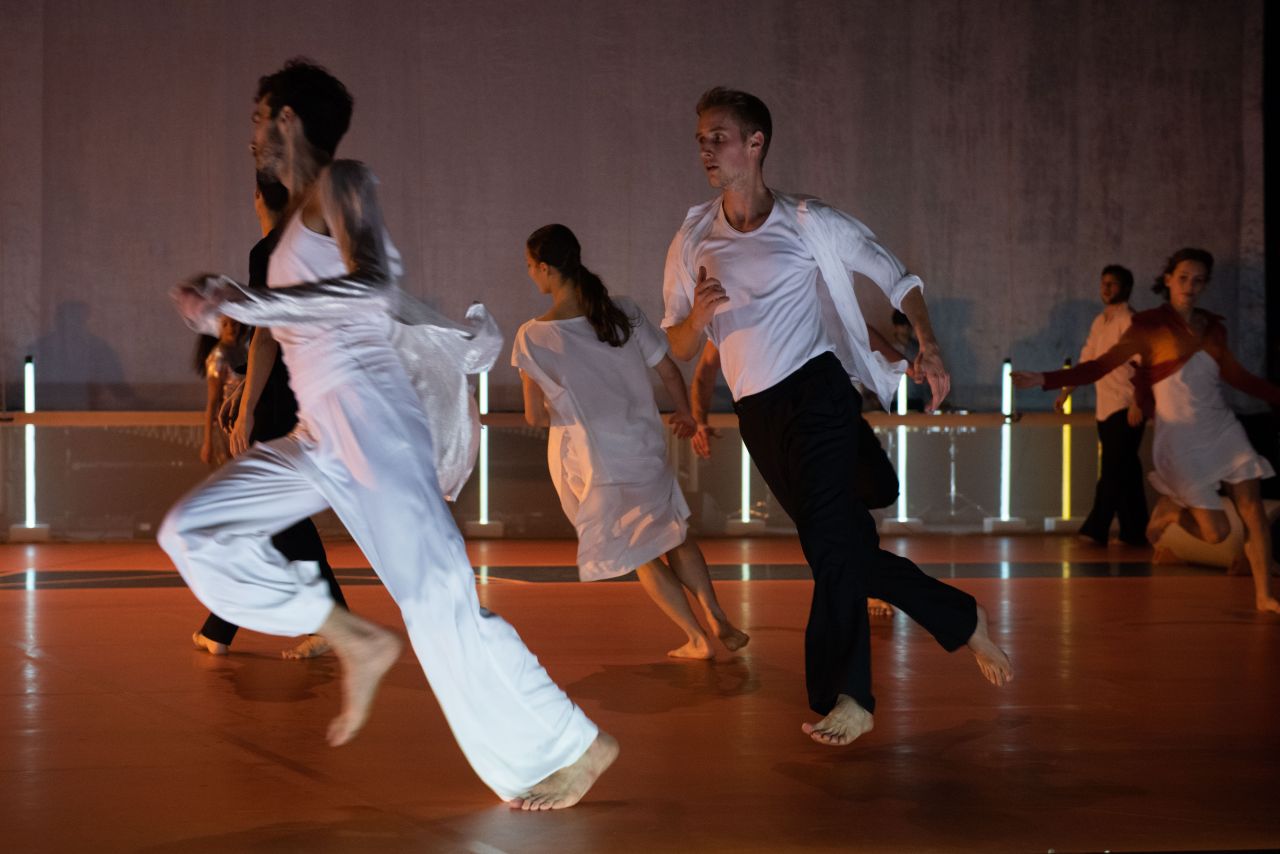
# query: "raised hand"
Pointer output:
{"type": "Point", "coordinates": [708, 295]}
{"type": "Point", "coordinates": [1028, 379]}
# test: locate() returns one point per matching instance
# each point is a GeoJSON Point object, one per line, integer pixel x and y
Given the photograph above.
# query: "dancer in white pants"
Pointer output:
{"type": "Point", "coordinates": [363, 447]}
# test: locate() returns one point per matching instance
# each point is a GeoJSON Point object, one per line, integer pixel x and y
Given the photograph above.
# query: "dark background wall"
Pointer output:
{"type": "Point", "coordinates": [1005, 150]}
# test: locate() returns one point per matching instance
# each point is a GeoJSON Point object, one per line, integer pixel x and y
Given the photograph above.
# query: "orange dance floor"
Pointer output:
{"type": "Point", "coordinates": [1144, 716]}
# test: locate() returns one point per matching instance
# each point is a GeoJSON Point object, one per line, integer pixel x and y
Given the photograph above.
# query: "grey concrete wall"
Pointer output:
{"type": "Point", "coordinates": [1005, 150]}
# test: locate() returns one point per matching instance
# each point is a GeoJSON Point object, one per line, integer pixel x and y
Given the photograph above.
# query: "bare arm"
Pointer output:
{"type": "Point", "coordinates": [213, 399]}
{"type": "Point", "coordinates": [686, 336]}
{"type": "Point", "coordinates": [704, 382]}
{"type": "Point", "coordinates": [1235, 374]}
{"type": "Point", "coordinates": [1129, 345]}
{"type": "Point", "coordinates": [535, 403]}
{"type": "Point", "coordinates": [262, 357]}
{"type": "Point", "coordinates": [928, 366]}
{"type": "Point", "coordinates": [682, 423]}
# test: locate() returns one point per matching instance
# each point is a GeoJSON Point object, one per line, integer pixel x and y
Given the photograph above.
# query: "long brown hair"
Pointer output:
{"type": "Point", "coordinates": [556, 246]}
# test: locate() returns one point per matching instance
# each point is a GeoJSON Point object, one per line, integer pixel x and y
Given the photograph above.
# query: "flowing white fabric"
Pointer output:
{"type": "Point", "coordinates": [1198, 441]}
{"type": "Point", "coordinates": [606, 451]}
{"type": "Point", "coordinates": [364, 447]}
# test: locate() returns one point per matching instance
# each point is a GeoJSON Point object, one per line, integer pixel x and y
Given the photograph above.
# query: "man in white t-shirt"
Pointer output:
{"type": "Point", "coordinates": [1121, 491]}
{"type": "Point", "coordinates": [767, 278]}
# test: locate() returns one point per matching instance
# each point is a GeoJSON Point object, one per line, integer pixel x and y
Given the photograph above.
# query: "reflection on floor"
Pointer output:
{"type": "Point", "coordinates": [1143, 715]}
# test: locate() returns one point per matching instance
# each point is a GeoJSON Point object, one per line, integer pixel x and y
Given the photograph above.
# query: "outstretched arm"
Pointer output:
{"type": "Point", "coordinates": [1235, 374]}
{"type": "Point", "coordinates": [346, 195]}
{"type": "Point", "coordinates": [1085, 373]}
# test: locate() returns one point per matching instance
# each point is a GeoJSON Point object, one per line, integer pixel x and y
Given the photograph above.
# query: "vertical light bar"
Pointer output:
{"type": "Point", "coordinates": [484, 449]}
{"type": "Point", "coordinates": [1066, 455]}
{"type": "Point", "coordinates": [1006, 407]}
{"type": "Point", "coordinates": [746, 485]}
{"type": "Point", "coordinates": [29, 437]}
{"type": "Point", "coordinates": [746, 571]}
{"type": "Point", "coordinates": [902, 450]}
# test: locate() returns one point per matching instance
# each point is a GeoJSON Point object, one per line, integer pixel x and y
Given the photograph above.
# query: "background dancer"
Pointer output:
{"type": "Point", "coordinates": [364, 448]}
{"type": "Point", "coordinates": [1120, 491]}
{"type": "Point", "coordinates": [1199, 444]}
{"type": "Point", "coordinates": [753, 269]}
{"type": "Point", "coordinates": [220, 360]}
{"type": "Point", "coordinates": [585, 368]}
{"type": "Point", "coordinates": [263, 408]}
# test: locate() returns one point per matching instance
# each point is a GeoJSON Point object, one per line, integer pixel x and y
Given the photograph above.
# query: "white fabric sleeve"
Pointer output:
{"type": "Point", "coordinates": [677, 284]}
{"type": "Point", "coordinates": [861, 254]}
{"type": "Point", "coordinates": [522, 357]}
{"type": "Point", "coordinates": [653, 344]}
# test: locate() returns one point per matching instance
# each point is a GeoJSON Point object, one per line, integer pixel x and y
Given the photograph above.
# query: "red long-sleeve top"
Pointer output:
{"type": "Point", "coordinates": [1163, 341]}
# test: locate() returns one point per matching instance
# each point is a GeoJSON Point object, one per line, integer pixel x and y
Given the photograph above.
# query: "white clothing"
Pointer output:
{"type": "Point", "coordinates": [606, 450]}
{"type": "Point", "coordinates": [771, 280]}
{"type": "Point", "coordinates": [1198, 442]}
{"type": "Point", "coordinates": [1115, 390]}
{"type": "Point", "coordinates": [364, 448]}
{"type": "Point", "coordinates": [839, 246]}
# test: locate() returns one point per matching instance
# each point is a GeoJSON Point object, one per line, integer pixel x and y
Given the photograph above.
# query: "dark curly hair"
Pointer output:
{"type": "Point", "coordinates": [318, 98]}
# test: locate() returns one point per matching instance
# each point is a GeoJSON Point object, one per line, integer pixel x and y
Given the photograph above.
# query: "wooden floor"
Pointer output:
{"type": "Point", "coordinates": [1144, 717]}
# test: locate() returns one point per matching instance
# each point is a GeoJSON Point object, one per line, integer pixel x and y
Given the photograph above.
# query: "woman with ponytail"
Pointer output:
{"type": "Point", "coordinates": [585, 368]}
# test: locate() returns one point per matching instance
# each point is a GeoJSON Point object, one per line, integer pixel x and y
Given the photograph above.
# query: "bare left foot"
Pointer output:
{"type": "Point", "coordinates": [992, 661]}
{"type": "Point", "coordinates": [367, 652]}
{"type": "Point", "coordinates": [697, 649]}
{"type": "Point", "coordinates": [846, 722]}
{"type": "Point", "coordinates": [1268, 603]}
{"type": "Point", "coordinates": [729, 634]}
{"type": "Point", "coordinates": [310, 647]}
{"type": "Point", "coordinates": [567, 786]}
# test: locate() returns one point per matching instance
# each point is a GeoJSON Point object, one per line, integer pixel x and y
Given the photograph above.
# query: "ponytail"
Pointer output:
{"type": "Point", "coordinates": [556, 246]}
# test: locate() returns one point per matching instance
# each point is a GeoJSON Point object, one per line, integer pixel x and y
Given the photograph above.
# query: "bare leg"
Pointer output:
{"type": "Point", "coordinates": [367, 652]}
{"type": "Point", "coordinates": [1166, 512]}
{"type": "Point", "coordinates": [691, 568]}
{"type": "Point", "coordinates": [1257, 540]}
{"type": "Point", "coordinates": [846, 722]}
{"type": "Point", "coordinates": [663, 588]}
{"type": "Point", "coordinates": [566, 787]}
{"type": "Point", "coordinates": [992, 661]}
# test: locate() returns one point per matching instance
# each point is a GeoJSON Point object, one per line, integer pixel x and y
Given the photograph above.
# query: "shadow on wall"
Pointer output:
{"type": "Point", "coordinates": [76, 369]}
{"type": "Point", "coordinates": [1061, 336]}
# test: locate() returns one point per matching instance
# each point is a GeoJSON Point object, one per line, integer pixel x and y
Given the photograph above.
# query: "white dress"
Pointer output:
{"type": "Point", "coordinates": [1198, 441]}
{"type": "Point", "coordinates": [607, 449]}
{"type": "Point", "coordinates": [364, 447]}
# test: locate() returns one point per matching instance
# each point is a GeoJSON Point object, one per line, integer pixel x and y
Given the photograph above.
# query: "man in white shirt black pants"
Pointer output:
{"type": "Point", "coordinates": [1121, 491]}
{"type": "Point", "coordinates": [767, 278]}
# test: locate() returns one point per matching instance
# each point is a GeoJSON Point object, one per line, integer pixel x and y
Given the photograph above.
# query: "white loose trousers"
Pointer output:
{"type": "Point", "coordinates": [363, 447]}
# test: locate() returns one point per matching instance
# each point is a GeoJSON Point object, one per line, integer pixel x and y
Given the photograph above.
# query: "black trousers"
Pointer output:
{"type": "Point", "coordinates": [1121, 491]}
{"type": "Point", "coordinates": [273, 417]}
{"type": "Point", "coordinates": [804, 437]}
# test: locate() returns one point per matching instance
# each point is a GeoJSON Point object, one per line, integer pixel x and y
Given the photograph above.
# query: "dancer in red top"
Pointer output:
{"type": "Point", "coordinates": [1199, 444]}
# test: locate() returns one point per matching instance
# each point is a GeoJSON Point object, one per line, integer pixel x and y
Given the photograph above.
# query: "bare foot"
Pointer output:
{"type": "Point", "coordinates": [992, 661]}
{"type": "Point", "coordinates": [210, 646]}
{"type": "Point", "coordinates": [1268, 603]}
{"type": "Point", "coordinates": [846, 722]}
{"type": "Point", "coordinates": [367, 652]}
{"type": "Point", "coordinates": [878, 608]}
{"type": "Point", "coordinates": [729, 635]}
{"type": "Point", "coordinates": [1163, 554]}
{"type": "Point", "coordinates": [697, 649]}
{"type": "Point", "coordinates": [566, 787]}
{"type": "Point", "coordinates": [310, 647]}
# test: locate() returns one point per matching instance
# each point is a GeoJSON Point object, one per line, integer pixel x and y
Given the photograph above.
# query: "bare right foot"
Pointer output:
{"type": "Point", "coordinates": [846, 722]}
{"type": "Point", "coordinates": [1268, 603]}
{"type": "Point", "coordinates": [367, 652]}
{"type": "Point", "coordinates": [878, 608]}
{"type": "Point", "coordinates": [992, 661]}
{"type": "Point", "coordinates": [567, 786]}
{"type": "Point", "coordinates": [210, 646]}
{"type": "Point", "coordinates": [729, 634]}
{"type": "Point", "coordinates": [697, 649]}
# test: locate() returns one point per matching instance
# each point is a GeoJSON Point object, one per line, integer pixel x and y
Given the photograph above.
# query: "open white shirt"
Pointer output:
{"type": "Point", "coordinates": [1115, 390]}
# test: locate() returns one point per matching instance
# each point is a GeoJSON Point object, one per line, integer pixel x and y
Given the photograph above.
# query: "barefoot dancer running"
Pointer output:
{"type": "Point", "coordinates": [767, 278]}
{"type": "Point", "coordinates": [365, 448]}
{"type": "Point", "coordinates": [585, 368]}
